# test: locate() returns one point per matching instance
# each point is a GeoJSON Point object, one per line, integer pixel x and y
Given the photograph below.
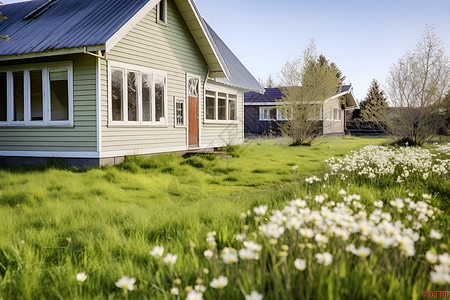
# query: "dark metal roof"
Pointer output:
{"type": "Point", "coordinates": [270, 96]}
{"type": "Point", "coordinates": [63, 24]}
{"type": "Point", "coordinates": [273, 95]}
{"type": "Point", "coordinates": [238, 75]}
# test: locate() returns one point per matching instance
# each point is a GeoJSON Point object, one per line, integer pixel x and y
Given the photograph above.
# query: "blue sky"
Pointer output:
{"type": "Point", "coordinates": [364, 38]}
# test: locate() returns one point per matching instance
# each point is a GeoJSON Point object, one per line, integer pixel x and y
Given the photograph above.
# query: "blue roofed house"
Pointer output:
{"type": "Point", "coordinates": [94, 81]}
{"type": "Point", "coordinates": [263, 113]}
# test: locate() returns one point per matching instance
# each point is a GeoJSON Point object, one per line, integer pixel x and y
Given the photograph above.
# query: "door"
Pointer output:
{"type": "Point", "coordinates": [193, 99]}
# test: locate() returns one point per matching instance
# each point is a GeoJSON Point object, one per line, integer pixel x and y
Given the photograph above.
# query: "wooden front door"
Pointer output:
{"type": "Point", "coordinates": [193, 97]}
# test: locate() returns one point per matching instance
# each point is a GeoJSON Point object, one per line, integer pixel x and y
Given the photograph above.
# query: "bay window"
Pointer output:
{"type": "Point", "coordinates": [220, 106]}
{"type": "Point", "coordinates": [137, 95]}
{"type": "Point", "coordinates": [39, 94]}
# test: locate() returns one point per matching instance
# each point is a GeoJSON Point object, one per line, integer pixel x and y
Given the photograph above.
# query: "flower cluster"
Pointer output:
{"type": "Point", "coordinates": [403, 163]}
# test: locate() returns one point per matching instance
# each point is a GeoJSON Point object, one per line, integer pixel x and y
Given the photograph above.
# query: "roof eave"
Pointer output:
{"type": "Point", "coordinates": [55, 52]}
{"type": "Point", "coordinates": [194, 22]}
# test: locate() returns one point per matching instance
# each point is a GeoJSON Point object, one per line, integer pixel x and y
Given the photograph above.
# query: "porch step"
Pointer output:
{"type": "Point", "coordinates": [204, 151]}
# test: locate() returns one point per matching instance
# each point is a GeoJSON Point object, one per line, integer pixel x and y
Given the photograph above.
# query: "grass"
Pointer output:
{"type": "Point", "coordinates": [57, 222]}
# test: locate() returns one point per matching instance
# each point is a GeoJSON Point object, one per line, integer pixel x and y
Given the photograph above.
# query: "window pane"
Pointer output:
{"type": "Point", "coordinates": [222, 106]}
{"type": "Point", "coordinates": [232, 105]}
{"type": "Point", "coordinates": [37, 108]}
{"type": "Point", "coordinates": [146, 96]}
{"type": "Point", "coordinates": [180, 113]}
{"type": "Point", "coordinates": [232, 110]}
{"type": "Point", "coordinates": [3, 102]}
{"type": "Point", "coordinates": [210, 105]}
{"type": "Point", "coordinates": [132, 96]}
{"type": "Point", "coordinates": [117, 94]}
{"type": "Point", "coordinates": [159, 98]}
{"type": "Point", "coordinates": [18, 96]}
{"type": "Point", "coordinates": [59, 95]}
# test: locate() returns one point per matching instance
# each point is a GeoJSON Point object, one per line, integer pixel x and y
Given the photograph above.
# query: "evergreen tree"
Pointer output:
{"type": "Point", "coordinates": [323, 61]}
{"type": "Point", "coordinates": [374, 102]}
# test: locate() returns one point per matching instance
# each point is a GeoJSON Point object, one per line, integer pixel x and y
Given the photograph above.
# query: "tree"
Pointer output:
{"type": "Point", "coordinates": [375, 102]}
{"type": "Point", "coordinates": [323, 61]}
{"type": "Point", "coordinates": [417, 84]}
{"type": "Point", "coordinates": [270, 83]}
{"type": "Point", "coordinates": [306, 82]}
{"type": "Point", "coordinates": [3, 37]}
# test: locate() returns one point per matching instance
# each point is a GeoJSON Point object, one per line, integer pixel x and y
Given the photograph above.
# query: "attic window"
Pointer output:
{"type": "Point", "coordinates": [40, 10]}
{"type": "Point", "coordinates": [161, 12]}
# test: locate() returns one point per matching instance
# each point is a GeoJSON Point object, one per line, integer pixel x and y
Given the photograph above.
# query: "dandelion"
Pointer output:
{"type": "Point", "coordinates": [240, 237]}
{"type": "Point", "coordinates": [219, 283]}
{"type": "Point", "coordinates": [324, 258]}
{"type": "Point", "coordinates": [170, 259]}
{"type": "Point", "coordinates": [434, 234]}
{"type": "Point", "coordinates": [194, 295]}
{"type": "Point", "coordinates": [247, 254]}
{"type": "Point", "coordinates": [174, 291]}
{"type": "Point", "coordinates": [81, 277]}
{"type": "Point", "coordinates": [254, 296]}
{"type": "Point", "coordinates": [431, 257]}
{"type": "Point", "coordinates": [229, 256]}
{"type": "Point", "coordinates": [300, 264]}
{"type": "Point", "coordinates": [319, 199]}
{"type": "Point", "coordinates": [126, 284]}
{"type": "Point", "coordinates": [200, 288]}
{"type": "Point", "coordinates": [157, 252]}
{"type": "Point", "coordinates": [362, 252]}
{"type": "Point", "coordinates": [208, 254]}
{"type": "Point", "coordinates": [260, 210]}
{"type": "Point", "coordinates": [252, 246]}
{"type": "Point", "coordinates": [378, 204]}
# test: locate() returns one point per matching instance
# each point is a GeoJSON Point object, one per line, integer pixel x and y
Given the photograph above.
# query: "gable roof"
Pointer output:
{"type": "Point", "coordinates": [67, 26]}
{"type": "Point", "coordinates": [238, 75]}
{"type": "Point", "coordinates": [272, 96]}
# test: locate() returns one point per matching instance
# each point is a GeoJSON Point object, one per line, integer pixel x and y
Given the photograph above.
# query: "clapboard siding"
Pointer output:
{"type": "Point", "coordinates": [82, 137]}
{"type": "Point", "coordinates": [168, 48]}
{"type": "Point", "coordinates": [219, 134]}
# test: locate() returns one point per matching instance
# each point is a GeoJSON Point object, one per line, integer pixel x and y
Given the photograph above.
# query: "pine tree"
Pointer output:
{"type": "Point", "coordinates": [374, 102]}
{"type": "Point", "coordinates": [322, 60]}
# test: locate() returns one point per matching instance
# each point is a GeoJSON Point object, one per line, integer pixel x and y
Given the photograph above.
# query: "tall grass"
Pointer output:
{"type": "Point", "coordinates": [56, 223]}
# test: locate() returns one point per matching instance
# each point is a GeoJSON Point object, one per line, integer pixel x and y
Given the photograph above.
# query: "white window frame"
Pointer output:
{"type": "Point", "coordinates": [140, 70]}
{"type": "Point", "coordinates": [46, 101]}
{"type": "Point", "coordinates": [261, 113]}
{"type": "Point", "coordinates": [216, 107]}
{"type": "Point", "coordinates": [158, 12]}
{"type": "Point", "coordinates": [177, 100]}
{"type": "Point", "coordinates": [337, 114]}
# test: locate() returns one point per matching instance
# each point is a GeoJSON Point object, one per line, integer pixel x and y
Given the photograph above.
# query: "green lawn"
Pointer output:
{"type": "Point", "coordinates": [56, 222]}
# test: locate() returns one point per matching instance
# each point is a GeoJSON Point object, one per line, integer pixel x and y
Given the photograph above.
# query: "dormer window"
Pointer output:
{"type": "Point", "coordinates": [161, 12]}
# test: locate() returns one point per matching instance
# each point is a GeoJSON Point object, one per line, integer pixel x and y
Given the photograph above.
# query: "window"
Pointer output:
{"type": "Point", "coordinates": [210, 105]}
{"type": "Point", "coordinates": [117, 94]}
{"type": "Point", "coordinates": [161, 12]}
{"type": "Point", "coordinates": [59, 101]}
{"type": "Point", "coordinates": [137, 95]}
{"type": "Point", "coordinates": [232, 107]}
{"type": "Point", "coordinates": [146, 98]}
{"type": "Point", "coordinates": [37, 95]}
{"type": "Point", "coordinates": [180, 112]}
{"type": "Point", "coordinates": [220, 106]}
{"type": "Point", "coordinates": [3, 97]}
{"type": "Point", "coordinates": [268, 113]}
{"type": "Point", "coordinates": [337, 114]}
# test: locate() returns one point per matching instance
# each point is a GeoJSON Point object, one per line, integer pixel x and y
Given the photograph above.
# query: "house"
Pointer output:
{"type": "Point", "coordinates": [263, 113]}
{"type": "Point", "coordinates": [91, 82]}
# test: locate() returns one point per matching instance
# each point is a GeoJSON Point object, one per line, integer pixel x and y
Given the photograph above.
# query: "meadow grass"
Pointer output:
{"type": "Point", "coordinates": [57, 222]}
